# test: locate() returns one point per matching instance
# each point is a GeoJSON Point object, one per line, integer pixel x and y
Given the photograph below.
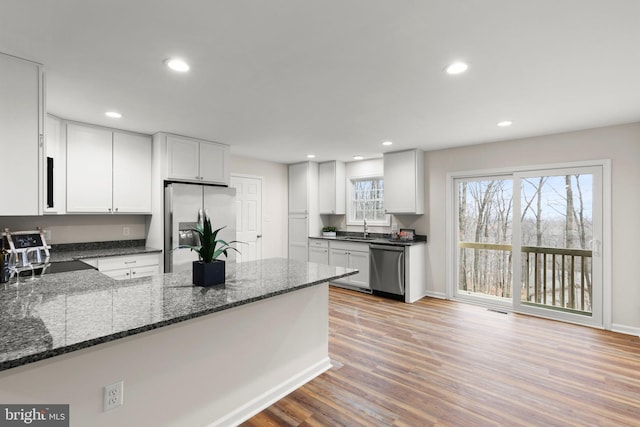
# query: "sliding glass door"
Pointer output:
{"type": "Point", "coordinates": [558, 238]}
{"type": "Point", "coordinates": [530, 241]}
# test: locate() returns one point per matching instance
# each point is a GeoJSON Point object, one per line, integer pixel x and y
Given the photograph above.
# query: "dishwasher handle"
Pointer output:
{"type": "Point", "coordinates": [393, 248]}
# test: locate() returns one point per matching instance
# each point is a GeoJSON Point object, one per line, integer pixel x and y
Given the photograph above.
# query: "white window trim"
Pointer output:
{"type": "Point", "coordinates": [349, 221]}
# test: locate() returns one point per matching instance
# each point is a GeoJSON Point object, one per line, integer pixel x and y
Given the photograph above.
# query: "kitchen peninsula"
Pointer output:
{"type": "Point", "coordinates": [187, 355]}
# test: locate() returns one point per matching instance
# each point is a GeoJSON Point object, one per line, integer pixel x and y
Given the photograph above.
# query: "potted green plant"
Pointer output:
{"type": "Point", "coordinates": [209, 270]}
{"type": "Point", "coordinates": [329, 231]}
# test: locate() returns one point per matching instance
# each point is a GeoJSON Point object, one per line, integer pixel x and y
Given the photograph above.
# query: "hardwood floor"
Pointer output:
{"type": "Point", "coordinates": [444, 363]}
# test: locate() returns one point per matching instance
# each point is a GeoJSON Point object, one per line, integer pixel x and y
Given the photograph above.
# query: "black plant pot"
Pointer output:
{"type": "Point", "coordinates": [209, 273]}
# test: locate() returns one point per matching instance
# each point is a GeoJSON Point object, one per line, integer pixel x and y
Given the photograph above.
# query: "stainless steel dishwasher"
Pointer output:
{"type": "Point", "coordinates": [386, 270]}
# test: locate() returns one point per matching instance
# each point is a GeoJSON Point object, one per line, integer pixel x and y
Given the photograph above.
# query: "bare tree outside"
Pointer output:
{"type": "Point", "coordinates": [556, 232]}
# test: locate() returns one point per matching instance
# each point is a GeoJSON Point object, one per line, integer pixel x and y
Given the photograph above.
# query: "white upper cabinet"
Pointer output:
{"type": "Point", "coordinates": [196, 160]}
{"type": "Point", "coordinates": [89, 169]}
{"type": "Point", "coordinates": [107, 172]}
{"type": "Point", "coordinates": [21, 134]}
{"type": "Point", "coordinates": [214, 163]}
{"type": "Point", "coordinates": [182, 158]}
{"type": "Point", "coordinates": [404, 182]}
{"type": "Point", "coordinates": [331, 188]}
{"type": "Point", "coordinates": [54, 167]}
{"type": "Point", "coordinates": [131, 173]}
{"type": "Point", "coordinates": [301, 191]}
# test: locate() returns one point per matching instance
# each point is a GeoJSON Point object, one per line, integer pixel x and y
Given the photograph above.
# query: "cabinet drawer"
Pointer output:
{"type": "Point", "coordinates": [350, 246]}
{"type": "Point", "coordinates": [316, 243]}
{"type": "Point", "coordinates": [130, 261]}
{"type": "Point", "coordinates": [145, 271]}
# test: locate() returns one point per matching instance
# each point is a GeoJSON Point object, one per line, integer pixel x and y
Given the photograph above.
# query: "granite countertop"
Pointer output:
{"type": "Point", "coordinates": [65, 312]}
{"type": "Point", "coordinates": [378, 239]}
{"type": "Point", "coordinates": [73, 251]}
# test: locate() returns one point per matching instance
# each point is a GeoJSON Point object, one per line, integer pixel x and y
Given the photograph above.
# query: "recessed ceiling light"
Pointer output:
{"type": "Point", "coordinates": [358, 157]}
{"type": "Point", "coordinates": [457, 68]}
{"type": "Point", "coordinates": [505, 123]}
{"type": "Point", "coordinates": [177, 64]}
{"type": "Point", "coordinates": [311, 156]}
{"type": "Point", "coordinates": [113, 114]}
{"type": "Point", "coordinates": [387, 143]}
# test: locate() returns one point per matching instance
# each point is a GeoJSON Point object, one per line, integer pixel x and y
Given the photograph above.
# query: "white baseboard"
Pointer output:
{"type": "Point", "coordinates": [271, 396]}
{"type": "Point", "coordinates": [624, 329]}
{"type": "Point", "coordinates": [439, 295]}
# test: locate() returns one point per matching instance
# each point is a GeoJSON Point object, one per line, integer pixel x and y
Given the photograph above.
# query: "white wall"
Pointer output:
{"type": "Point", "coordinates": [621, 144]}
{"type": "Point", "coordinates": [274, 201]}
{"type": "Point", "coordinates": [80, 228]}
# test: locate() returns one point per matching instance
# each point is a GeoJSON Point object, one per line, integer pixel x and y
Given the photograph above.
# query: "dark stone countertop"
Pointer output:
{"type": "Point", "coordinates": [65, 312]}
{"type": "Point", "coordinates": [73, 251]}
{"type": "Point", "coordinates": [378, 239]}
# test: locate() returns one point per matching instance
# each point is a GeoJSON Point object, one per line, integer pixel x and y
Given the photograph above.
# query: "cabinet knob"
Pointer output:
{"type": "Point", "coordinates": [109, 209]}
{"type": "Point", "coordinates": [116, 209]}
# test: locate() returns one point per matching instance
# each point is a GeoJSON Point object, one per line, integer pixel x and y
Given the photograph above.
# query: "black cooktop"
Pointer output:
{"type": "Point", "coordinates": [60, 267]}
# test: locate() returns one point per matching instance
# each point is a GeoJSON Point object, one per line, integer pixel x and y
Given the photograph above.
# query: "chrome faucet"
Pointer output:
{"type": "Point", "coordinates": [366, 232]}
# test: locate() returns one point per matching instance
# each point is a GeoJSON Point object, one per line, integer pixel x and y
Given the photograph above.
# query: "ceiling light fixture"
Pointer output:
{"type": "Point", "coordinates": [505, 123]}
{"type": "Point", "coordinates": [358, 157]}
{"type": "Point", "coordinates": [387, 143]}
{"type": "Point", "coordinates": [311, 156]}
{"type": "Point", "coordinates": [113, 114]}
{"type": "Point", "coordinates": [457, 68]}
{"type": "Point", "coordinates": [177, 64]}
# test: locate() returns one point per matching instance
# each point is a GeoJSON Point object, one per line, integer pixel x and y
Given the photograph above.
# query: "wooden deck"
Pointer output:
{"type": "Point", "coordinates": [444, 363]}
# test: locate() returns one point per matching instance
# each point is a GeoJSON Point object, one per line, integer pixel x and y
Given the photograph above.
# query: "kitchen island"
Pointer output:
{"type": "Point", "coordinates": [187, 355]}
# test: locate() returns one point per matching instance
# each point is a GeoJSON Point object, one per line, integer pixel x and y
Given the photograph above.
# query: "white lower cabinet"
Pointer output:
{"type": "Point", "coordinates": [351, 255]}
{"type": "Point", "coordinates": [130, 266]}
{"type": "Point", "coordinates": [318, 251]}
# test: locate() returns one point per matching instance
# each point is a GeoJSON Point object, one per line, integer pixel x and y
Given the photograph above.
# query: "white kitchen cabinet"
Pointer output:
{"type": "Point", "coordinates": [21, 135]}
{"type": "Point", "coordinates": [319, 251]}
{"type": "Point", "coordinates": [130, 266]}
{"type": "Point", "coordinates": [196, 160]}
{"type": "Point", "coordinates": [298, 237]}
{"type": "Point", "coordinates": [54, 193]}
{"type": "Point", "coordinates": [107, 171]}
{"type": "Point", "coordinates": [89, 169]}
{"type": "Point", "coordinates": [404, 182]}
{"type": "Point", "coordinates": [131, 173]}
{"type": "Point", "coordinates": [351, 255]}
{"type": "Point", "coordinates": [331, 188]}
{"type": "Point", "coordinates": [300, 191]}
{"type": "Point", "coordinates": [304, 218]}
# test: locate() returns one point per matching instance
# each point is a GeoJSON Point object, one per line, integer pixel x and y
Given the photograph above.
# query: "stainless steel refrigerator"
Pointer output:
{"type": "Point", "coordinates": [185, 205]}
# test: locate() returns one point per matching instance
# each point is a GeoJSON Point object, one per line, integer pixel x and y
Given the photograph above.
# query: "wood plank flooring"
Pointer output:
{"type": "Point", "coordinates": [444, 363]}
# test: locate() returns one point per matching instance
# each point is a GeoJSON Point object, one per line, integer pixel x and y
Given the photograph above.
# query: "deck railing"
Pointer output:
{"type": "Point", "coordinates": [555, 277]}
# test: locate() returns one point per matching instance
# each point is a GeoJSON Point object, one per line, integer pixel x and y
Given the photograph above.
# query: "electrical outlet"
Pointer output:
{"type": "Point", "coordinates": [47, 235]}
{"type": "Point", "coordinates": [125, 231]}
{"type": "Point", "coordinates": [113, 395]}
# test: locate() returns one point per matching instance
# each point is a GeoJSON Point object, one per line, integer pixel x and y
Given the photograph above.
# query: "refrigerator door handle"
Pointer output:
{"type": "Point", "coordinates": [201, 217]}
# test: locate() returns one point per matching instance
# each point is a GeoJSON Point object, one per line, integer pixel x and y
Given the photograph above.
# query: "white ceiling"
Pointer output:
{"type": "Point", "coordinates": [278, 79]}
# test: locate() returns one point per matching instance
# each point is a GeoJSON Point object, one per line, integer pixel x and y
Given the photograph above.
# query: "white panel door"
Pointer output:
{"type": "Point", "coordinates": [89, 169]}
{"type": "Point", "coordinates": [131, 173]}
{"type": "Point", "coordinates": [249, 217]}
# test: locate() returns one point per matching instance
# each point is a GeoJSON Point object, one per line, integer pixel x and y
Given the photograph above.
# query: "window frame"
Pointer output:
{"type": "Point", "coordinates": [350, 198]}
